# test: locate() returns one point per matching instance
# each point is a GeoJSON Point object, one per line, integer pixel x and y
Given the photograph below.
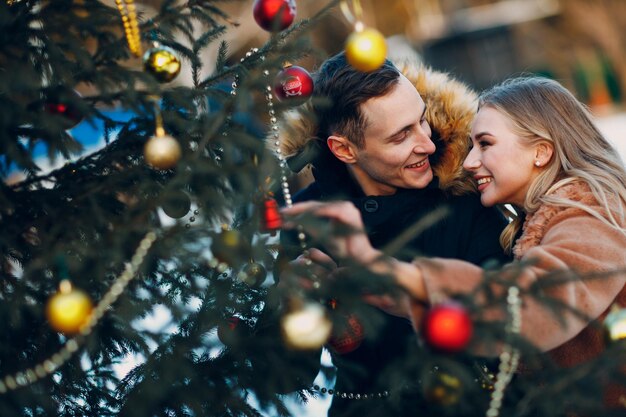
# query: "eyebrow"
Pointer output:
{"type": "Point", "coordinates": [390, 137]}
{"type": "Point", "coordinates": [480, 135]}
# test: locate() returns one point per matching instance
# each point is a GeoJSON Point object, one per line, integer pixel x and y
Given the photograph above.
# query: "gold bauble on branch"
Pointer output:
{"type": "Point", "coordinates": [162, 151]}
{"type": "Point", "coordinates": [306, 327]}
{"type": "Point", "coordinates": [366, 49]}
{"type": "Point", "coordinates": [443, 388]}
{"type": "Point", "coordinates": [253, 274]}
{"type": "Point", "coordinates": [162, 62]}
{"type": "Point", "coordinates": [69, 309]}
{"type": "Point", "coordinates": [230, 246]}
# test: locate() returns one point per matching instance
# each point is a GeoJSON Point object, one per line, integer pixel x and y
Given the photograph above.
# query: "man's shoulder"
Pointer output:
{"type": "Point", "coordinates": [310, 192]}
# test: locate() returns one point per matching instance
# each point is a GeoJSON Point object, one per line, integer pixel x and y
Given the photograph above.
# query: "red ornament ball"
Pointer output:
{"type": "Point", "coordinates": [63, 103]}
{"type": "Point", "coordinates": [349, 337]}
{"type": "Point", "coordinates": [447, 327]}
{"type": "Point", "coordinates": [274, 15]}
{"type": "Point", "coordinates": [233, 331]}
{"type": "Point", "coordinates": [293, 84]}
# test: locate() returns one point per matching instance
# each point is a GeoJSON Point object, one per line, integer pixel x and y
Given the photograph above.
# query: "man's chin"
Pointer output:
{"type": "Point", "coordinates": [422, 181]}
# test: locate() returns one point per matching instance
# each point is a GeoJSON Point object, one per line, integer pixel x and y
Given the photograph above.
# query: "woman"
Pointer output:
{"type": "Point", "coordinates": [535, 147]}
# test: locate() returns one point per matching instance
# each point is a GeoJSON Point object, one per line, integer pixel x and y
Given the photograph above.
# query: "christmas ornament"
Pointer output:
{"type": "Point", "coordinates": [63, 103]}
{"type": "Point", "coordinates": [253, 274]}
{"type": "Point", "coordinates": [230, 247]}
{"type": "Point", "coordinates": [270, 220]}
{"type": "Point", "coordinates": [69, 309]}
{"type": "Point", "coordinates": [615, 324]}
{"type": "Point", "coordinates": [128, 11]}
{"type": "Point", "coordinates": [176, 204]}
{"type": "Point", "coordinates": [348, 336]}
{"type": "Point", "coordinates": [442, 388]}
{"type": "Point", "coordinates": [293, 84]}
{"type": "Point", "coordinates": [162, 151]}
{"type": "Point", "coordinates": [306, 327]}
{"type": "Point", "coordinates": [233, 331]}
{"type": "Point", "coordinates": [162, 63]}
{"type": "Point", "coordinates": [366, 49]}
{"type": "Point", "coordinates": [447, 327]}
{"type": "Point", "coordinates": [274, 15]}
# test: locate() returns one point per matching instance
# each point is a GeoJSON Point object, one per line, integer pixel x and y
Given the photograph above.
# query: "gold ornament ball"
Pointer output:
{"type": "Point", "coordinates": [230, 246]}
{"type": "Point", "coordinates": [68, 310]}
{"type": "Point", "coordinates": [162, 152]}
{"type": "Point", "coordinates": [253, 274]}
{"type": "Point", "coordinates": [443, 388]}
{"type": "Point", "coordinates": [366, 50]}
{"type": "Point", "coordinates": [162, 63]}
{"type": "Point", "coordinates": [306, 328]}
{"type": "Point", "coordinates": [615, 325]}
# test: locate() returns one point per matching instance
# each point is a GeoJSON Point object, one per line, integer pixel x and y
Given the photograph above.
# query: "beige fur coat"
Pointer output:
{"type": "Point", "coordinates": [556, 239]}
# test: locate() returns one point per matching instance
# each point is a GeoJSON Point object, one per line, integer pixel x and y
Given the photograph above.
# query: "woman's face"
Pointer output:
{"type": "Point", "coordinates": [500, 163]}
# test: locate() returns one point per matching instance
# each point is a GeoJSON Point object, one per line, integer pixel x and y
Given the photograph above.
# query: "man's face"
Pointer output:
{"type": "Point", "coordinates": [397, 143]}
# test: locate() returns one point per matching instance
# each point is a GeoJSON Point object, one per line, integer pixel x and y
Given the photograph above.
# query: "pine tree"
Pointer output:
{"type": "Point", "coordinates": [135, 231]}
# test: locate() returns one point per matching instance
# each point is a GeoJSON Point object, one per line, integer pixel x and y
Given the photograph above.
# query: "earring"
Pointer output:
{"type": "Point", "coordinates": [537, 163]}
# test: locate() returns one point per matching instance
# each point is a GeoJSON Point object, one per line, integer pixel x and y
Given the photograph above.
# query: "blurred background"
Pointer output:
{"type": "Point", "coordinates": [581, 43]}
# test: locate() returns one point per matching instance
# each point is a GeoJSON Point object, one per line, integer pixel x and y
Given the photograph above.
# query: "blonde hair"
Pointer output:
{"type": "Point", "coordinates": [541, 109]}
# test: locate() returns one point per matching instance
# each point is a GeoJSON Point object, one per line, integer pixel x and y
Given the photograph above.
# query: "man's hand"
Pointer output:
{"type": "Point", "coordinates": [343, 215]}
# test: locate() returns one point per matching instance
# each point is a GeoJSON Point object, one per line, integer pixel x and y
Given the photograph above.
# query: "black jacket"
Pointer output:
{"type": "Point", "coordinates": [468, 231]}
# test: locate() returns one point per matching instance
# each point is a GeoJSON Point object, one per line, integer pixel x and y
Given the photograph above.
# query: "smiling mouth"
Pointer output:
{"type": "Point", "coordinates": [418, 164]}
{"type": "Point", "coordinates": [485, 180]}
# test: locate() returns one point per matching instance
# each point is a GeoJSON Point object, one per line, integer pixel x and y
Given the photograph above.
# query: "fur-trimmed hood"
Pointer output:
{"type": "Point", "coordinates": [450, 108]}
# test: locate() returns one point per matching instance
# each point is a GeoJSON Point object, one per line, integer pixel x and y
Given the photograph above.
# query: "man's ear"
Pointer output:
{"type": "Point", "coordinates": [342, 148]}
{"type": "Point", "coordinates": [543, 153]}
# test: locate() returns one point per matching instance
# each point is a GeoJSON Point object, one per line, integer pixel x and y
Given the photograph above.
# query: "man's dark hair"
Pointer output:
{"type": "Point", "coordinates": [344, 89]}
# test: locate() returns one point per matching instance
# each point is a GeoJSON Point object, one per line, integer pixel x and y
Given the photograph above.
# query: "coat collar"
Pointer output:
{"type": "Point", "coordinates": [535, 224]}
{"type": "Point", "coordinates": [450, 109]}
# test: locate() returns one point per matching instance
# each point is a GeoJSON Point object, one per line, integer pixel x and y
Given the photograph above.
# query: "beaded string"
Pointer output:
{"type": "Point", "coordinates": [128, 12]}
{"type": "Point", "coordinates": [51, 364]}
{"type": "Point", "coordinates": [509, 358]}
{"type": "Point", "coordinates": [223, 266]}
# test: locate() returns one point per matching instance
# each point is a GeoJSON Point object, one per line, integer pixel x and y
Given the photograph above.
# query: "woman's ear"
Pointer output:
{"type": "Point", "coordinates": [543, 153]}
{"type": "Point", "coordinates": [342, 148]}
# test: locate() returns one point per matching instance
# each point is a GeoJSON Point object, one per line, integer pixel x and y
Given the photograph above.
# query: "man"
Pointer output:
{"type": "Point", "coordinates": [373, 139]}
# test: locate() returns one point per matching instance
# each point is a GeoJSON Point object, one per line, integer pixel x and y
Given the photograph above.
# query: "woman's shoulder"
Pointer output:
{"type": "Point", "coordinates": [575, 190]}
{"type": "Point", "coordinates": [562, 202]}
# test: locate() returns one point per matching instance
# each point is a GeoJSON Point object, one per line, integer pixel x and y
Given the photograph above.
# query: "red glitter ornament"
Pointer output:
{"type": "Point", "coordinates": [274, 15]}
{"type": "Point", "coordinates": [447, 327]}
{"type": "Point", "coordinates": [350, 336]}
{"type": "Point", "coordinates": [293, 84]}
{"type": "Point", "coordinates": [271, 220]}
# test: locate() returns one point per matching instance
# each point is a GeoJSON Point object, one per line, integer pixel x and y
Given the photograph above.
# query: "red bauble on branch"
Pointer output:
{"type": "Point", "coordinates": [293, 84]}
{"type": "Point", "coordinates": [447, 327]}
{"type": "Point", "coordinates": [63, 103]}
{"type": "Point", "coordinates": [271, 220]}
{"type": "Point", "coordinates": [274, 15]}
{"type": "Point", "coordinates": [233, 331]}
{"type": "Point", "coordinates": [348, 336]}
